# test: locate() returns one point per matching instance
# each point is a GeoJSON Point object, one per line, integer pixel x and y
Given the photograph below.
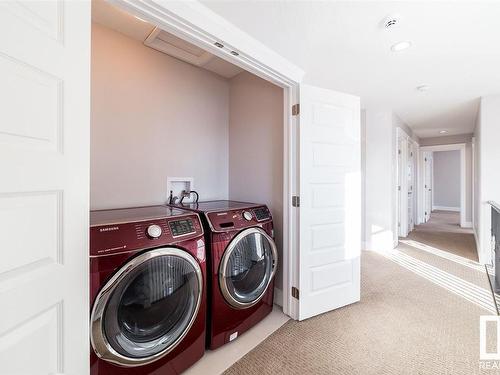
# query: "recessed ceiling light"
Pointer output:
{"type": "Point", "coordinates": [443, 131]}
{"type": "Point", "coordinates": [400, 46]}
{"type": "Point", "coordinates": [423, 88]}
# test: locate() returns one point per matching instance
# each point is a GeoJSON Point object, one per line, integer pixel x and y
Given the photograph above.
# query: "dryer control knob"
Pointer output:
{"type": "Point", "coordinates": [247, 215]}
{"type": "Point", "coordinates": [154, 231]}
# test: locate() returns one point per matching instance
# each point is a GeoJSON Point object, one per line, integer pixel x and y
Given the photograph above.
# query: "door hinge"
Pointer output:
{"type": "Point", "coordinates": [425, 213]}
{"type": "Point", "coordinates": [399, 188]}
{"type": "Point", "coordinates": [399, 152]}
{"type": "Point", "coordinates": [295, 292]}
{"type": "Point", "coordinates": [295, 109]}
{"type": "Point", "coordinates": [296, 201]}
{"type": "Point", "coordinates": [425, 159]}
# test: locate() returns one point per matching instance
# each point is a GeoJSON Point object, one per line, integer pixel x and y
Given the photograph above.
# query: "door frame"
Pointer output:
{"type": "Point", "coordinates": [404, 145]}
{"type": "Point", "coordinates": [463, 186]}
{"type": "Point", "coordinates": [197, 24]}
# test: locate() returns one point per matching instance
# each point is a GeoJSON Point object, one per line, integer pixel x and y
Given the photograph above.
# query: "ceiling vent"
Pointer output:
{"type": "Point", "coordinates": [390, 21]}
{"type": "Point", "coordinates": [171, 45]}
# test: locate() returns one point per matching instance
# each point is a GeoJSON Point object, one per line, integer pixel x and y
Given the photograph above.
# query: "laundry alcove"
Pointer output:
{"type": "Point", "coordinates": [162, 108]}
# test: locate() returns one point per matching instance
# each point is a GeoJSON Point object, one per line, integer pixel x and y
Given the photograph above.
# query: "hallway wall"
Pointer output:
{"type": "Point", "coordinates": [379, 163]}
{"type": "Point", "coordinates": [487, 133]}
{"type": "Point", "coordinates": [446, 180]}
{"type": "Point", "coordinates": [454, 139]}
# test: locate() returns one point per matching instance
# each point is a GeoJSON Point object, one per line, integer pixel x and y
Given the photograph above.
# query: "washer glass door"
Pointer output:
{"type": "Point", "coordinates": [145, 309]}
{"type": "Point", "coordinates": [247, 267]}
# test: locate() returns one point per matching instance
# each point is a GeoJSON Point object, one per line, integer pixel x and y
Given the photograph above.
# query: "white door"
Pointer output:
{"type": "Point", "coordinates": [330, 200]}
{"type": "Point", "coordinates": [409, 185]}
{"type": "Point", "coordinates": [400, 199]}
{"type": "Point", "coordinates": [428, 185]}
{"type": "Point", "coordinates": [44, 168]}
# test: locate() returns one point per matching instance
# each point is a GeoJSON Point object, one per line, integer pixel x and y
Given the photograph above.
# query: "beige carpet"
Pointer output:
{"type": "Point", "coordinates": [443, 231]}
{"type": "Point", "coordinates": [419, 314]}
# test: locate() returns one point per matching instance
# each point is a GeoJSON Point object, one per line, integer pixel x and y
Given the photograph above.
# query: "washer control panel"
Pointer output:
{"type": "Point", "coordinates": [238, 219]}
{"type": "Point", "coordinates": [181, 227]}
{"type": "Point", "coordinates": [121, 237]}
{"type": "Point", "coordinates": [154, 231]}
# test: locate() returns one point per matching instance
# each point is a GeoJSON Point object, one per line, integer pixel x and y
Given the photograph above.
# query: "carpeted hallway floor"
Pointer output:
{"type": "Point", "coordinates": [418, 314]}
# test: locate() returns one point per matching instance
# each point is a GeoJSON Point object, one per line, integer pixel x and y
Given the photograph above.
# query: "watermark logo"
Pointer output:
{"type": "Point", "coordinates": [489, 342]}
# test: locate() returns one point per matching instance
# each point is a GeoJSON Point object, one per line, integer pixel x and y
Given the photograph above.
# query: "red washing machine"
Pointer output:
{"type": "Point", "coordinates": [147, 290]}
{"type": "Point", "coordinates": [242, 260]}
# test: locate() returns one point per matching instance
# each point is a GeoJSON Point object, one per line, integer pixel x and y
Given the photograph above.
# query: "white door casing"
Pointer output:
{"type": "Point", "coordinates": [330, 200]}
{"type": "Point", "coordinates": [410, 170]}
{"type": "Point", "coordinates": [428, 185]}
{"type": "Point", "coordinates": [401, 187]}
{"type": "Point", "coordinates": [44, 203]}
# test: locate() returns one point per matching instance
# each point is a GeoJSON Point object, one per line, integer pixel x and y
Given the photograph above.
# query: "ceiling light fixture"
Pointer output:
{"type": "Point", "coordinates": [400, 46]}
{"type": "Point", "coordinates": [423, 88]}
{"type": "Point", "coordinates": [443, 131]}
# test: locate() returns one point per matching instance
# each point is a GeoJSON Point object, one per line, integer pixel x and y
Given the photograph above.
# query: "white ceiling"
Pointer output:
{"type": "Point", "coordinates": [343, 46]}
{"type": "Point", "coordinates": [108, 15]}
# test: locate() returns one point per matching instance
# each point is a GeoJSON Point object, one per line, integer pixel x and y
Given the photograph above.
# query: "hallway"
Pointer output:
{"type": "Point", "coordinates": [443, 231]}
{"type": "Point", "coordinates": [419, 314]}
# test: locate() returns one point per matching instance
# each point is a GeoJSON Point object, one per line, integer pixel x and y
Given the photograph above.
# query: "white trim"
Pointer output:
{"type": "Point", "coordinates": [195, 23]}
{"type": "Point", "coordinates": [480, 255]}
{"type": "Point", "coordinates": [452, 147]}
{"type": "Point", "coordinates": [444, 208]}
{"type": "Point", "coordinates": [468, 224]}
{"type": "Point", "coordinates": [278, 297]}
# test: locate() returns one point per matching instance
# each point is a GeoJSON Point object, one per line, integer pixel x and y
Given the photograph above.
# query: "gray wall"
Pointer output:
{"type": "Point", "coordinates": [454, 139]}
{"type": "Point", "coordinates": [447, 179]}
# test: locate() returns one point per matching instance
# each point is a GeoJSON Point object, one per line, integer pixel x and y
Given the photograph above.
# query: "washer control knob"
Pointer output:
{"type": "Point", "coordinates": [154, 231]}
{"type": "Point", "coordinates": [247, 215]}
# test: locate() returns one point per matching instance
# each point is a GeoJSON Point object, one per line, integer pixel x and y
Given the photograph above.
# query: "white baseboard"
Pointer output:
{"type": "Point", "coordinates": [480, 255]}
{"type": "Point", "coordinates": [444, 208]}
{"type": "Point", "coordinates": [467, 224]}
{"type": "Point", "coordinates": [386, 246]}
{"type": "Point", "coordinates": [278, 297]}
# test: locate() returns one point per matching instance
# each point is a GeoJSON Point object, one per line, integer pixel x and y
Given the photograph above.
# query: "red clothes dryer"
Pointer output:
{"type": "Point", "coordinates": [148, 291]}
{"type": "Point", "coordinates": [242, 260]}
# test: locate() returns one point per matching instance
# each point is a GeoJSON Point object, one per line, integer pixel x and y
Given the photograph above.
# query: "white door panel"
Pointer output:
{"type": "Point", "coordinates": [428, 185]}
{"type": "Point", "coordinates": [330, 192]}
{"type": "Point", "coordinates": [44, 163]}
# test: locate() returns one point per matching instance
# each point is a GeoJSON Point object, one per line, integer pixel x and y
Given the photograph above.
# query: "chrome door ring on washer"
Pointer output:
{"type": "Point", "coordinates": [223, 275]}
{"type": "Point", "coordinates": [100, 342]}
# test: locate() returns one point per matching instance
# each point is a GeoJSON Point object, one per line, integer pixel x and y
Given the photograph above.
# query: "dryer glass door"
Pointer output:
{"type": "Point", "coordinates": [247, 267]}
{"type": "Point", "coordinates": [146, 309]}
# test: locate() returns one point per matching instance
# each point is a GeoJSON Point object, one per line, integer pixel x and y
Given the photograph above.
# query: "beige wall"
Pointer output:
{"type": "Point", "coordinates": [153, 116]}
{"type": "Point", "coordinates": [256, 147]}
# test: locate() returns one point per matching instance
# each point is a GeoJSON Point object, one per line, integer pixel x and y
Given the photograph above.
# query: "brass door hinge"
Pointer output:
{"type": "Point", "coordinates": [295, 109]}
{"type": "Point", "coordinates": [295, 292]}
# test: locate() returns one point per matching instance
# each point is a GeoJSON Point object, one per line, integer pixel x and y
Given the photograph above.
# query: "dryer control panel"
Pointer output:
{"type": "Point", "coordinates": [238, 219]}
{"type": "Point", "coordinates": [121, 237]}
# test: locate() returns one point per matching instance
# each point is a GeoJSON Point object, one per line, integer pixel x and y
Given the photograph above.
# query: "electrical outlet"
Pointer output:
{"type": "Point", "coordinates": [179, 184]}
